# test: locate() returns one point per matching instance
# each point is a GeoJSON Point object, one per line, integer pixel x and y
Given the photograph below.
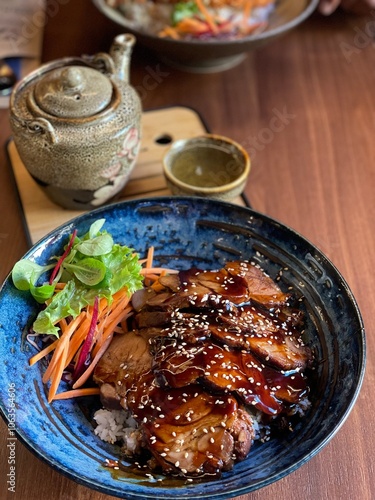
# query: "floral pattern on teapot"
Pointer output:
{"type": "Point", "coordinates": [114, 172]}
{"type": "Point", "coordinates": [76, 123]}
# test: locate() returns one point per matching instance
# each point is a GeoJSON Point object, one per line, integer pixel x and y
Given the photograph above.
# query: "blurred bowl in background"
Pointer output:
{"type": "Point", "coordinates": [203, 56]}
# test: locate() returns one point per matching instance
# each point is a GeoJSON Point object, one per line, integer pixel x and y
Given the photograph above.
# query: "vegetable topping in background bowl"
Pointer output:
{"type": "Point", "coordinates": [206, 35]}
{"type": "Point", "coordinates": [197, 19]}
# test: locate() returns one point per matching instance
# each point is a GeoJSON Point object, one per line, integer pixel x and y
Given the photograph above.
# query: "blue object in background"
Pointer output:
{"type": "Point", "coordinates": [16, 64]}
{"type": "Point", "coordinates": [7, 79]}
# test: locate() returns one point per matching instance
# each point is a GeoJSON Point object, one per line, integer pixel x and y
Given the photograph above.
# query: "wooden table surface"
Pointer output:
{"type": "Point", "coordinates": [314, 172]}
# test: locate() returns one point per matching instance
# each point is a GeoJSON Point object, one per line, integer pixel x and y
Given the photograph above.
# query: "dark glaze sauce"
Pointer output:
{"type": "Point", "coordinates": [231, 342]}
{"type": "Point", "coordinates": [145, 476]}
{"type": "Point", "coordinates": [231, 371]}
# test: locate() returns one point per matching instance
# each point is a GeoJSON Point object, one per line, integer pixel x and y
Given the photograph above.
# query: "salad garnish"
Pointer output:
{"type": "Point", "coordinates": [85, 297]}
{"type": "Point", "coordinates": [91, 266]}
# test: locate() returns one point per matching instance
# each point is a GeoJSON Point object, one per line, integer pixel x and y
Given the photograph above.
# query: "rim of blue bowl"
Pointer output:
{"type": "Point", "coordinates": [189, 493]}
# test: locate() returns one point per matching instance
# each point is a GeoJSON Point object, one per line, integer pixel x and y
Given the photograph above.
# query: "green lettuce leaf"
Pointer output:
{"type": "Point", "coordinates": [125, 269]}
{"type": "Point", "coordinates": [68, 302]}
{"type": "Point", "coordinates": [182, 10]}
{"type": "Point", "coordinates": [94, 267]}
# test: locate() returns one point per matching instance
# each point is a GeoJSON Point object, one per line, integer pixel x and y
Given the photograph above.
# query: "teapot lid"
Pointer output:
{"type": "Point", "coordinates": [73, 92]}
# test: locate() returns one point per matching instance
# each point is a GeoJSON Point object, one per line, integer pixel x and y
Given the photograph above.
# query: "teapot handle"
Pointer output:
{"type": "Point", "coordinates": [102, 62]}
{"type": "Point", "coordinates": [41, 126]}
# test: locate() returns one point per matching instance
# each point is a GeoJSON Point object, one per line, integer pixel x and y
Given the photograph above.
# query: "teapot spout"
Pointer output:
{"type": "Point", "coordinates": [120, 53]}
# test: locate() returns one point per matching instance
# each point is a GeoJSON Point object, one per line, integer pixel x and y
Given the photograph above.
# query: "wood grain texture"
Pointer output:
{"type": "Point", "coordinates": [304, 108]}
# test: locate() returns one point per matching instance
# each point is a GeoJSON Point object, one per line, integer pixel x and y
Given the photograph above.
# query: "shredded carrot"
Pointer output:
{"type": "Point", "coordinates": [150, 257]}
{"type": "Point", "coordinates": [156, 285]}
{"type": "Point", "coordinates": [207, 22]}
{"type": "Point", "coordinates": [248, 7]}
{"type": "Point", "coordinates": [84, 377]}
{"type": "Point", "coordinates": [56, 376]}
{"type": "Point", "coordinates": [41, 354]}
{"type": "Point", "coordinates": [148, 264]}
{"type": "Point", "coordinates": [153, 276]}
{"type": "Point", "coordinates": [60, 348]}
{"type": "Point", "coordinates": [112, 318]}
{"type": "Point", "coordinates": [65, 349]}
{"type": "Point", "coordinates": [77, 339]}
{"type": "Point", "coordinates": [192, 25]}
{"type": "Point", "coordinates": [60, 286]}
{"type": "Point", "coordinates": [75, 393]}
{"type": "Point", "coordinates": [116, 318]}
{"type": "Point", "coordinates": [63, 326]}
{"type": "Point", "coordinates": [207, 16]}
{"type": "Point", "coordinates": [158, 271]}
{"type": "Point", "coordinates": [170, 32]}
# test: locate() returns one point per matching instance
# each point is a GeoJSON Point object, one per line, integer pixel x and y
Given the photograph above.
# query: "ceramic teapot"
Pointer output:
{"type": "Point", "coordinates": [76, 126]}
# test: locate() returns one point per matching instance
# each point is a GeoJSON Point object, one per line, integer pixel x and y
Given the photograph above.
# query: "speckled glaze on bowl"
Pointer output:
{"type": "Point", "coordinates": [205, 233]}
{"type": "Point", "coordinates": [218, 55]}
{"type": "Point", "coordinates": [221, 177]}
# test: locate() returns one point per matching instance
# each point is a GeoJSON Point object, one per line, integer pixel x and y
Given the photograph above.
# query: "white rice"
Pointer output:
{"type": "Point", "coordinates": [117, 426]}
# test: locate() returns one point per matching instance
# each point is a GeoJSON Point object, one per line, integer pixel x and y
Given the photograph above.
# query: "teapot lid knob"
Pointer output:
{"type": "Point", "coordinates": [73, 92]}
{"type": "Point", "coordinates": [71, 78]}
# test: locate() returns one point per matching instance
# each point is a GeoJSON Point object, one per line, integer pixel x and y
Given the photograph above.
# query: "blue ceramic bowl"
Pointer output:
{"type": "Point", "coordinates": [205, 233]}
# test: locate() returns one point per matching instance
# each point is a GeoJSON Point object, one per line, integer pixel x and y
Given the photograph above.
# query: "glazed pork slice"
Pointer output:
{"type": "Point", "coordinates": [126, 359]}
{"type": "Point", "coordinates": [237, 283]}
{"type": "Point", "coordinates": [220, 370]}
{"type": "Point", "coordinates": [261, 287]}
{"type": "Point", "coordinates": [222, 285]}
{"type": "Point", "coordinates": [275, 342]}
{"type": "Point", "coordinates": [273, 339]}
{"type": "Point", "coordinates": [185, 296]}
{"type": "Point", "coordinates": [189, 431]}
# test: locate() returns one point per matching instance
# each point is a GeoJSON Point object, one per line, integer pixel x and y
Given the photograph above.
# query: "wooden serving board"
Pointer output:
{"type": "Point", "coordinates": [160, 128]}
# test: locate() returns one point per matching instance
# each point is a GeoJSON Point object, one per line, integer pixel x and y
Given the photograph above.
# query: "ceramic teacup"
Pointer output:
{"type": "Point", "coordinates": [209, 165]}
